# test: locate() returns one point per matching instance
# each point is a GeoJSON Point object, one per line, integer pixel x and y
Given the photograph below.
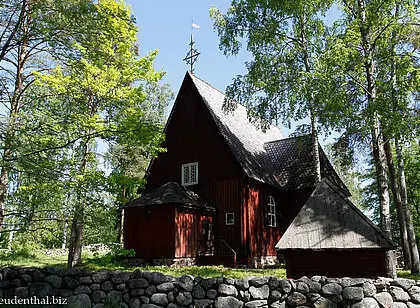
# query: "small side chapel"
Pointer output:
{"type": "Point", "coordinates": [228, 193]}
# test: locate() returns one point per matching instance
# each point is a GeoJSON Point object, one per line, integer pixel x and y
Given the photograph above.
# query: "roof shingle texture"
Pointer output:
{"type": "Point", "coordinates": [245, 140]}
{"type": "Point", "coordinates": [171, 193]}
{"type": "Point", "coordinates": [328, 220]}
{"type": "Point", "coordinates": [264, 155]}
{"type": "Point", "coordinates": [292, 163]}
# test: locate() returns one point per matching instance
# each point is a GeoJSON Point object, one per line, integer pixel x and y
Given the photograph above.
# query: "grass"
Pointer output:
{"type": "Point", "coordinates": [94, 263]}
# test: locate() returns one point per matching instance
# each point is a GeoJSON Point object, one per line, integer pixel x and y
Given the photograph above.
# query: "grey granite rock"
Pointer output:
{"type": "Point", "coordinates": [384, 299]}
{"type": "Point", "coordinates": [242, 284]}
{"type": "Point", "coordinates": [211, 293]}
{"type": "Point", "coordinates": [331, 288]}
{"type": "Point", "coordinates": [159, 299]}
{"type": "Point", "coordinates": [100, 277]}
{"type": "Point", "coordinates": [137, 283]}
{"type": "Point", "coordinates": [186, 282]}
{"type": "Point", "coordinates": [40, 289]}
{"type": "Point", "coordinates": [134, 303]}
{"type": "Point", "coordinates": [150, 290]}
{"type": "Point", "coordinates": [367, 302]}
{"type": "Point", "coordinates": [198, 292]}
{"type": "Point", "coordinates": [403, 283]}
{"type": "Point", "coordinates": [414, 293]}
{"type": "Point", "coordinates": [165, 287]}
{"type": "Point", "coordinates": [258, 281]}
{"type": "Point", "coordinates": [227, 290]}
{"type": "Point", "coordinates": [278, 304]}
{"type": "Point", "coordinates": [353, 293]}
{"type": "Point", "coordinates": [296, 299]}
{"type": "Point", "coordinates": [399, 294]}
{"type": "Point", "coordinates": [98, 296]}
{"type": "Point", "coordinates": [79, 301]}
{"type": "Point", "coordinates": [369, 289]}
{"type": "Point", "coordinates": [302, 287]}
{"type": "Point", "coordinates": [398, 305]}
{"type": "Point", "coordinates": [54, 281]}
{"type": "Point", "coordinates": [259, 292]}
{"type": "Point", "coordinates": [228, 301]}
{"type": "Point", "coordinates": [82, 290]}
{"type": "Point", "coordinates": [121, 277]}
{"type": "Point", "coordinates": [203, 303]}
{"type": "Point", "coordinates": [257, 304]}
{"type": "Point", "coordinates": [85, 280]}
{"type": "Point", "coordinates": [285, 286]}
{"type": "Point", "coordinates": [323, 302]}
{"type": "Point", "coordinates": [107, 286]}
{"type": "Point", "coordinates": [184, 299]}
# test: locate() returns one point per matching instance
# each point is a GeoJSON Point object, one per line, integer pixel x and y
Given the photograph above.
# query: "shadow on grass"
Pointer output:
{"type": "Point", "coordinates": [94, 264]}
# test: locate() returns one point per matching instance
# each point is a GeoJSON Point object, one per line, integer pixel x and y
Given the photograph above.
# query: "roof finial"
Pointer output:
{"type": "Point", "coordinates": [193, 54]}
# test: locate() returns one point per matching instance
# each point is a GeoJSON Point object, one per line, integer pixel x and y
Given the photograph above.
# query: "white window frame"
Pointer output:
{"type": "Point", "coordinates": [188, 168]}
{"type": "Point", "coordinates": [226, 219]}
{"type": "Point", "coordinates": [271, 214]}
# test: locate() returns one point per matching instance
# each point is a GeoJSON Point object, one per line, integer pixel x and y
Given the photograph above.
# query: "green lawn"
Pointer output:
{"type": "Point", "coordinates": [94, 263]}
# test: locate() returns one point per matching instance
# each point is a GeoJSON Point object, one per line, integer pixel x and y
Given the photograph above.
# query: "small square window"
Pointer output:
{"type": "Point", "coordinates": [189, 174]}
{"type": "Point", "coordinates": [230, 219]}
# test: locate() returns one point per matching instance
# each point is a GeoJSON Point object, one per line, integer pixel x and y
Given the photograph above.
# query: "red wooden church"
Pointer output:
{"type": "Point", "coordinates": [225, 192]}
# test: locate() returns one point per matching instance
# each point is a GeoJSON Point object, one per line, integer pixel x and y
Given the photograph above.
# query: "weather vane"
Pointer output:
{"type": "Point", "coordinates": [193, 54]}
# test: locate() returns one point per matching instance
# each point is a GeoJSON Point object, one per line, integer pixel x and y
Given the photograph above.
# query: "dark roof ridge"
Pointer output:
{"type": "Point", "coordinates": [288, 138]}
{"type": "Point", "coordinates": [195, 76]}
{"type": "Point", "coordinates": [224, 94]}
{"type": "Point", "coordinates": [171, 193]}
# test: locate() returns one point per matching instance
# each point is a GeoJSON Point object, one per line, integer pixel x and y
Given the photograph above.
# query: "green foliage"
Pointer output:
{"type": "Point", "coordinates": [412, 172]}
{"type": "Point", "coordinates": [342, 70]}
{"type": "Point", "coordinates": [285, 39]}
{"type": "Point", "coordinates": [115, 257]}
{"type": "Point", "coordinates": [87, 92]}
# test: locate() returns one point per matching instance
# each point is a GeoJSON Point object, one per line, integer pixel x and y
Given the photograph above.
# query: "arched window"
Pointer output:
{"type": "Point", "coordinates": [271, 212]}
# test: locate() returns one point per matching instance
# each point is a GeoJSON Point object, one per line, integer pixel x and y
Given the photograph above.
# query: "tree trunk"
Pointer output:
{"type": "Point", "coordinates": [377, 145]}
{"type": "Point", "coordinates": [398, 203]}
{"type": "Point", "coordinates": [415, 259]}
{"type": "Point", "coordinates": [76, 238]}
{"type": "Point", "coordinates": [311, 104]}
{"type": "Point", "coordinates": [382, 183]}
{"type": "Point", "coordinates": [121, 231]}
{"type": "Point", "coordinates": [11, 123]}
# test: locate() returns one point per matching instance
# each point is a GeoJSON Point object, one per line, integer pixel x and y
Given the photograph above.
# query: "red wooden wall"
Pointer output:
{"type": "Point", "coordinates": [359, 263]}
{"type": "Point", "coordinates": [261, 238]}
{"type": "Point", "coordinates": [192, 136]}
{"type": "Point", "coordinates": [188, 231]}
{"type": "Point", "coordinates": [150, 231]}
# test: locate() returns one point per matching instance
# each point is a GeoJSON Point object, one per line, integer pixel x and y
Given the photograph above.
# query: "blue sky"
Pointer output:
{"type": "Point", "coordinates": [166, 26]}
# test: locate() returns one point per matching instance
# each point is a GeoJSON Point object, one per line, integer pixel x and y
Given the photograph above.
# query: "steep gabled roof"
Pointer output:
{"type": "Point", "coordinates": [171, 193]}
{"type": "Point", "coordinates": [328, 220]}
{"type": "Point", "coordinates": [245, 140]}
{"type": "Point", "coordinates": [292, 163]}
{"type": "Point", "coordinates": [263, 155]}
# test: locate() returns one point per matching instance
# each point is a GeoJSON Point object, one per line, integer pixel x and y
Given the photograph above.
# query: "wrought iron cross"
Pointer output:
{"type": "Point", "coordinates": [192, 55]}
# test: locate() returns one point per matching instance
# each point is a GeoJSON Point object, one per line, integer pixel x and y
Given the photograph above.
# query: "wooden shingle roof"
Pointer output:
{"type": "Point", "coordinates": [328, 220]}
{"type": "Point", "coordinates": [171, 193]}
{"type": "Point", "coordinates": [244, 139]}
{"type": "Point", "coordinates": [292, 163]}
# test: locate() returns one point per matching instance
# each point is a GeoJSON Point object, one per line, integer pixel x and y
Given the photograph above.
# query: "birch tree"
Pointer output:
{"type": "Point", "coordinates": [285, 39]}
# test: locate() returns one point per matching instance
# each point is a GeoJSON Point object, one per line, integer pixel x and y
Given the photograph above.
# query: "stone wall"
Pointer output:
{"type": "Point", "coordinates": [80, 288]}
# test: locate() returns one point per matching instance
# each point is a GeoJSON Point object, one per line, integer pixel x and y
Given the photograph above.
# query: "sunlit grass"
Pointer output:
{"type": "Point", "coordinates": [95, 262]}
{"type": "Point", "coordinates": [408, 275]}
